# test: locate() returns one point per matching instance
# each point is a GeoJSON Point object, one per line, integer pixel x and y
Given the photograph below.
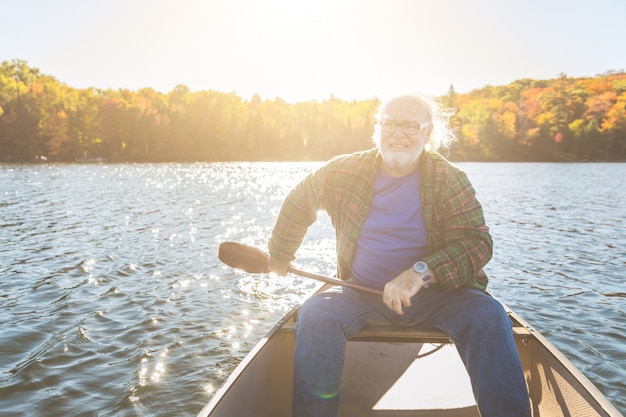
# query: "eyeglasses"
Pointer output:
{"type": "Point", "coordinates": [389, 126]}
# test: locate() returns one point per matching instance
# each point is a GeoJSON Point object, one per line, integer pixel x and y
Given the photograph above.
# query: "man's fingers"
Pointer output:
{"type": "Point", "coordinates": [393, 304]}
{"type": "Point", "coordinates": [397, 306]}
{"type": "Point", "coordinates": [399, 302]}
{"type": "Point", "coordinates": [388, 302]}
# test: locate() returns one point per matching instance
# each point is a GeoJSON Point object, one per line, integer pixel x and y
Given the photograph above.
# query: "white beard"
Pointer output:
{"type": "Point", "coordinates": [400, 158]}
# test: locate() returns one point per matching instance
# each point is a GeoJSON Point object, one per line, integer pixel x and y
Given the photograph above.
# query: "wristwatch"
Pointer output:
{"type": "Point", "coordinates": [421, 268]}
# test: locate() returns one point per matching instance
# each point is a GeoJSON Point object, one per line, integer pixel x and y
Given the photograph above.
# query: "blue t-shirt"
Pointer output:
{"type": "Point", "coordinates": [394, 235]}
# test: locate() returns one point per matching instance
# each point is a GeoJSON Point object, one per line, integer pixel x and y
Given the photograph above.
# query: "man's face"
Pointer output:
{"type": "Point", "coordinates": [403, 133]}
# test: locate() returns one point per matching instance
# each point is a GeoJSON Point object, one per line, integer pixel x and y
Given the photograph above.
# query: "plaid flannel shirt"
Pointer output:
{"type": "Point", "coordinates": [459, 243]}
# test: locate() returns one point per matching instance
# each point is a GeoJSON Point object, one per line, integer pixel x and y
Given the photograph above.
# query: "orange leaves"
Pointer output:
{"type": "Point", "coordinates": [37, 88]}
{"type": "Point", "coordinates": [615, 119]}
{"type": "Point", "coordinates": [598, 105]}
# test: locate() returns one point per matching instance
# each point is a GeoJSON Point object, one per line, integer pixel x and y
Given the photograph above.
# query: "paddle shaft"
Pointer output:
{"type": "Point", "coordinates": [335, 281]}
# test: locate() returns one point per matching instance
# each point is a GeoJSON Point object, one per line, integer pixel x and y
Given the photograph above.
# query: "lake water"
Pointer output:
{"type": "Point", "coordinates": [113, 301]}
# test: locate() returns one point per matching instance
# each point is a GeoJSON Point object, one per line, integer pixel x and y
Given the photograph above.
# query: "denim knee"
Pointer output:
{"type": "Point", "coordinates": [317, 310]}
{"type": "Point", "coordinates": [491, 311]}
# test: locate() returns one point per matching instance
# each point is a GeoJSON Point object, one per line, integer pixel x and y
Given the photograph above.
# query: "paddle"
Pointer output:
{"type": "Point", "coordinates": [254, 261]}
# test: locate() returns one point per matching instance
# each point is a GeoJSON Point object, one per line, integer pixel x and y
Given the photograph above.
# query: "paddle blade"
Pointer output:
{"type": "Point", "coordinates": [243, 257]}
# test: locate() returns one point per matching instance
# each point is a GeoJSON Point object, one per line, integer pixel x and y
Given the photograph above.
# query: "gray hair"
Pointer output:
{"type": "Point", "coordinates": [442, 134]}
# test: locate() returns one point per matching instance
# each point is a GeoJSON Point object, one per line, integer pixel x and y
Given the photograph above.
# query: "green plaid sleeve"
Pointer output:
{"type": "Point", "coordinates": [459, 238]}
{"type": "Point", "coordinates": [297, 214]}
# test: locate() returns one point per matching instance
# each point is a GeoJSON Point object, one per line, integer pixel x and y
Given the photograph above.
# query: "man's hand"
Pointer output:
{"type": "Point", "coordinates": [278, 267]}
{"type": "Point", "coordinates": [398, 291]}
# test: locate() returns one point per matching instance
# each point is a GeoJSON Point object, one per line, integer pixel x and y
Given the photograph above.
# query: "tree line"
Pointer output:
{"type": "Point", "coordinates": [41, 118]}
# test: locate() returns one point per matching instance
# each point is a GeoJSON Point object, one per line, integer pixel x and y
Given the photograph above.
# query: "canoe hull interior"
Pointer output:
{"type": "Point", "coordinates": [394, 375]}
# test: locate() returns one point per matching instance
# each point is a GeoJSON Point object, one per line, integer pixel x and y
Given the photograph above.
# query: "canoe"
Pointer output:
{"type": "Point", "coordinates": [397, 372]}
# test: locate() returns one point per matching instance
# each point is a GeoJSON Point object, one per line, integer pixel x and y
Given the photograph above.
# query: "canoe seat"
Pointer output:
{"type": "Point", "coordinates": [420, 332]}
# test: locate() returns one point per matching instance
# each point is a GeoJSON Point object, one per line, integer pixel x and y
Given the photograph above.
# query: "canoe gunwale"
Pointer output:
{"type": "Point", "coordinates": [588, 386]}
{"type": "Point", "coordinates": [238, 373]}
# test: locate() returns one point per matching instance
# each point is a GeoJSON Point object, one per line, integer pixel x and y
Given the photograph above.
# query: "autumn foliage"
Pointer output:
{"type": "Point", "coordinates": [573, 119]}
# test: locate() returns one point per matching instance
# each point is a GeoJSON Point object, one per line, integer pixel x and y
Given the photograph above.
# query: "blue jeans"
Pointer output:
{"type": "Point", "coordinates": [475, 322]}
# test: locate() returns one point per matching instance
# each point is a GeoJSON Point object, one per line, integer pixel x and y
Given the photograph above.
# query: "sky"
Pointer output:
{"type": "Point", "coordinates": [304, 50]}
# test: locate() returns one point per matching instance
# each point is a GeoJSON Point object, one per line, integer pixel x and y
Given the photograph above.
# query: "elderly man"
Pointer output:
{"type": "Point", "coordinates": [407, 222]}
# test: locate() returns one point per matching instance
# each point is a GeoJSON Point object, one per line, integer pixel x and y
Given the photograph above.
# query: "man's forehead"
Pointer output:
{"type": "Point", "coordinates": [408, 107]}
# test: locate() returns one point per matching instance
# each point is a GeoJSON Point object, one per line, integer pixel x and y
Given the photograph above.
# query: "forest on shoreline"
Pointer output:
{"type": "Point", "coordinates": [42, 118]}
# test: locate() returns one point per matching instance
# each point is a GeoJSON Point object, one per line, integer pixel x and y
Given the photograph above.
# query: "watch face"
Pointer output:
{"type": "Point", "coordinates": [421, 267]}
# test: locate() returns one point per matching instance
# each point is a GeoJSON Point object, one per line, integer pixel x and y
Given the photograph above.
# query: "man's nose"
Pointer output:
{"type": "Point", "coordinates": [398, 132]}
